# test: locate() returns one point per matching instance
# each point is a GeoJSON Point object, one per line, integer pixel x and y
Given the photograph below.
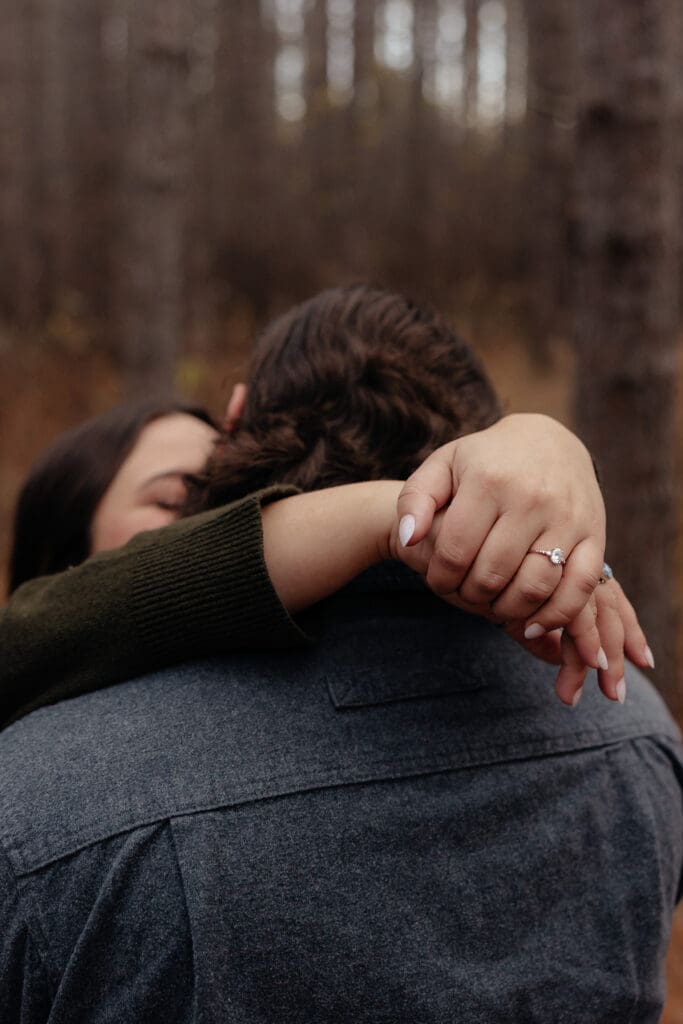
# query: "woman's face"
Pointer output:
{"type": "Point", "coordinates": [148, 490]}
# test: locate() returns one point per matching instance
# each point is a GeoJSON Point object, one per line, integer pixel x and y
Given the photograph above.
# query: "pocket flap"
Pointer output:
{"type": "Point", "coordinates": [409, 660]}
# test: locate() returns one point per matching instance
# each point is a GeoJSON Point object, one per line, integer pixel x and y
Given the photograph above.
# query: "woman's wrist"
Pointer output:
{"type": "Point", "coordinates": [377, 518]}
{"type": "Point", "coordinates": [316, 543]}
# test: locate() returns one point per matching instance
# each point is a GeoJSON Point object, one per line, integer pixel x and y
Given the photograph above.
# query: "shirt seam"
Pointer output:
{"type": "Point", "coordinates": [190, 929]}
{"type": "Point", "coordinates": [367, 775]}
{"type": "Point", "coordinates": [34, 926]}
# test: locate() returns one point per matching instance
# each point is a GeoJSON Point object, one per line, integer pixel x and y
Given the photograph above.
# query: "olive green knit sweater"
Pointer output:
{"type": "Point", "coordinates": [197, 588]}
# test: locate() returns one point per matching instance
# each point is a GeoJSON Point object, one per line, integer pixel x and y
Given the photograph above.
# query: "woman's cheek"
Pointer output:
{"type": "Point", "coordinates": [122, 528]}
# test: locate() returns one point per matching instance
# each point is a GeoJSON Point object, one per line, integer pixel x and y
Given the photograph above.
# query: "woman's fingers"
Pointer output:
{"type": "Point", "coordinates": [466, 525]}
{"type": "Point", "coordinates": [598, 626]}
{"type": "Point", "coordinates": [424, 493]}
{"type": "Point", "coordinates": [571, 677]}
{"type": "Point", "coordinates": [418, 556]}
{"type": "Point", "coordinates": [529, 590]}
{"type": "Point", "coordinates": [599, 636]}
{"type": "Point", "coordinates": [611, 627]}
{"type": "Point", "coordinates": [609, 621]}
{"type": "Point", "coordinates": [524, 470]}
{"type": "Point", "coordinates": [579, 579]}
{"type": "Point", "coordinates": [547, 648]}
{"type": "Point", "coordinates": [635, 642]}
{"type": "Point", "coordinates": [502, 573]}
{"type": "Point", "coordinates": [584, 632]}
{"type": "Point", "coordinates": [471, 513]}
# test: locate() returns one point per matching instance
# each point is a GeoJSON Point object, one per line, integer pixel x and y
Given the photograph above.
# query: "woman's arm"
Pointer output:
{"type": "Point", "coordinates": [199, 587]}
{"type": "Point", "coordinates": [216, 583]}
{"type": "Point", "coordinates": [534, 489]}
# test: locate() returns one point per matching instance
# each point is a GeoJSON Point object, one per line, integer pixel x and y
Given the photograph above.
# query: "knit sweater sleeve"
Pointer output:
{"type": "Point", "coordinates": [197, 588]}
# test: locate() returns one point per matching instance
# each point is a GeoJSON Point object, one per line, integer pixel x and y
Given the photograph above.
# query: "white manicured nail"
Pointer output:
{"type": "Point", "coordinates": [533, 632]}
{"type": "Point", "coordinates": [602, 660]}
{"type": "Point", "coordinates": [621, 691]}
{"type": "Point", "coordinates": [577, 697]}
{"type": "Point", "coordinates": [406, 529]}
{"type": "Point", "coordinates": [649, 657]}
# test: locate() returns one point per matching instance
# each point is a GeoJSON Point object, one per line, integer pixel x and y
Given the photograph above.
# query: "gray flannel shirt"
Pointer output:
{"type": "Point", "coordinates": [400, 824]}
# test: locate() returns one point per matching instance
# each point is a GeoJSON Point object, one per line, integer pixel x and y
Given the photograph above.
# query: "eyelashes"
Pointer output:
{"type": "Point", "coordinates": [169, 506]}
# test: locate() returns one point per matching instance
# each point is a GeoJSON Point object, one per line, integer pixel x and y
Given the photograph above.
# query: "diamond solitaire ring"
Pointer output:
{"type": "Point", "coordinates": [555, 555]}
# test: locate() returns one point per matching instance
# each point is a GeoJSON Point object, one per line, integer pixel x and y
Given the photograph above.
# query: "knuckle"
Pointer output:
{"type": "Point", "coordinates": [493, 479]}
{"type": "Point", "coordinates": [446, 569]}
{"type": "Point", "coordinates": [411, 488]}
{"type": "Point", "coordinates": [412, 496]}
{"type": "Point", "coordinates": [439, 584]}
{"type": "Point", "coordinates": [449, 559]}
{"type": "Point", "coordinates": [488, 584]}
{"type": "Point", "coordinates": [561, 617]}
{"type": "Point", "coordinates": [539, 495]}
{"type": "Point", "coordinates": [536, 591]}
{"type": "Point", "coordinates": [542, 497]}
{"type": "Point", "coordinates": [585, 582]}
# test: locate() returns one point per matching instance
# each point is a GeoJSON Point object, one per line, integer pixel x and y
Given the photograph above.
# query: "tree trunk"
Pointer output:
{"type": "Point", "coordinates": [89, 156]}
{"type": "Point", "coordinates": [114, 14]}
{"type": "Point", "coordinates": [471, 64]}
{"type": "Point", "coordinates": [315, 87]}
{"type": "Point", "coordinates": [155, 193]}
{"type": "Point", "coordinates": [20, 265]}
{"type": "Point", "coordinates": [363, 136]}
{"type": "Point", "coordinates": [57, 166]}
{"type": "Point", "coordinates": [516, 75]}
{"type": "Point", "coordinates": [420, 144]}
{"type": "Point", "coordinates": [317, 170]}
{"type": "Point", "coordinates": [248, 176]}
{"type": "Point", "coordinates": [364, 52]}
{"type": "Point", "coordinates": [202, 227]}
{"type": "Point", "coordinates": [627, 304]}
{"type": "Point", "coordinates": [551, 125]}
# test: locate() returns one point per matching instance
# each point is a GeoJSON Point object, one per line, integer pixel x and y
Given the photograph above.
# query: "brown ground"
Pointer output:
{"type": "Point", "coordinates": [44, 389]}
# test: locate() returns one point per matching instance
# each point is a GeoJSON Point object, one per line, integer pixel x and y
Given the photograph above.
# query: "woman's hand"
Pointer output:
{"type": "Point", "coordinates": [526, 483]}
{"type": "Point", "coordinates": [608, 611]}
{"type": "Point", "coordinates": [620, 633]}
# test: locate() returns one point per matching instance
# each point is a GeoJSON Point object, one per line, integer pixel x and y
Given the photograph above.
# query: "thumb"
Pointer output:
{"type": "Point", "coordinates": [427, 490]}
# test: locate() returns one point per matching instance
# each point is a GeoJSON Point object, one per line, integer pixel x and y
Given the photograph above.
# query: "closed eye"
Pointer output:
{"type": "Point", "coordinates": [169, 506]}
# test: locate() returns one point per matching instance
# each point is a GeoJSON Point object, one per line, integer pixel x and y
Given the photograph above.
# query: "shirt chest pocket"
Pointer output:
{"type": "Point", "coordinates": [410, 660]}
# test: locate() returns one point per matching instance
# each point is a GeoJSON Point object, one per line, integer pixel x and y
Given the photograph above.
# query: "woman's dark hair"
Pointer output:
{"type": "Point", "coordinates": [56, 505]}
{"type": "Point", "coordinates": [355, 384]}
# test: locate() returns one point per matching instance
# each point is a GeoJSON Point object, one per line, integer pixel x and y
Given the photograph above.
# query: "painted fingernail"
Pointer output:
{"type": "Point", "coordinates": [602, 660]}
{"type": "Point", "coordinates": [649, 657]}
{"type": "Point", "coordinates": [577, 696]}
{"type": "Point", "coordinates": [534, 631]}
{"type": "Point", "coordinates": [406, 529]}
{"type": "Point", "coordinates": [621, 690]}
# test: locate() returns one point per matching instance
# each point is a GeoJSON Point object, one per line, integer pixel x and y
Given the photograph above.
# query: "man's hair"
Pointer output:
{"type": "Point", "coordinates": [355, 384]}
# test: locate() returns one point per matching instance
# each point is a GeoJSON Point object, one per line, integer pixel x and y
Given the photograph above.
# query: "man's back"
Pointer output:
{"type": "Point", "coordinates": [402, 824]}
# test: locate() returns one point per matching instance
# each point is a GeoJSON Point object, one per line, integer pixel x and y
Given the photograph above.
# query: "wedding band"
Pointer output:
{"type": "Point", "coordinates": [555, 555]}
{"type": "Point", "coordinates": [607, 573]}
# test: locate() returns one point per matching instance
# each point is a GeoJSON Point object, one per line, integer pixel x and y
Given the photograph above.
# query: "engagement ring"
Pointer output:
{"type": "Point", "coordinates": [556, 555]}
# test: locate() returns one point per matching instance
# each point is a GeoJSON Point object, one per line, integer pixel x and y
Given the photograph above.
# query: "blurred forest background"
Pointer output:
{"type": "Point", "coordinates": [174, 172]}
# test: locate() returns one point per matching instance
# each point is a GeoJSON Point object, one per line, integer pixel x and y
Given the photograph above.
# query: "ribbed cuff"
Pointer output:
{"type": "Point", "coordinates": [204, 588]}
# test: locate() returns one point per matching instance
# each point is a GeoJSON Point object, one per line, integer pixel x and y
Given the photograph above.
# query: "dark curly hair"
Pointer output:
{"type": "Point", "coordinates": [355, 384]}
